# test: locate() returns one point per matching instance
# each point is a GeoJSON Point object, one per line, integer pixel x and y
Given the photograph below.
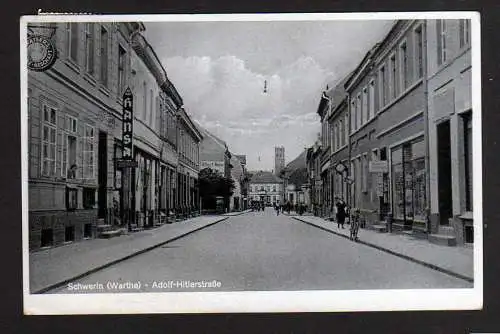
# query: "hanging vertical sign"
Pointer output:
{"type": "Point", "coordinates": [127, 125]}
{"type": "Point", "coordinates": [127, 131]}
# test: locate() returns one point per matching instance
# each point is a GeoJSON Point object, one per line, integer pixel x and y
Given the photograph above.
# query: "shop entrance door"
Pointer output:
{"type": "Point", "coordinates": [444, 172]}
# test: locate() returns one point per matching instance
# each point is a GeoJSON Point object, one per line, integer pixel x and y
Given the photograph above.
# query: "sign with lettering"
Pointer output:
{"type": "Point", "coordinates": [378, 167]}
{"type": "Point", "coordinates": [127, 125]}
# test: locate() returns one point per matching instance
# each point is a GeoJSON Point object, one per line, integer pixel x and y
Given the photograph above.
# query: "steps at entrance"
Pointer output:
{"type": "Point", "coordinates": [107, 231]}
{"type": "Point", "coordinates": [442, 239]}
{"type": "Point", "coordinates": [380, 228]}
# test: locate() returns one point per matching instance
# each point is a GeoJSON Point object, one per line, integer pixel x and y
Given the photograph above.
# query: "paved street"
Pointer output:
{"type": "Point", "coordinates": [262, 251]}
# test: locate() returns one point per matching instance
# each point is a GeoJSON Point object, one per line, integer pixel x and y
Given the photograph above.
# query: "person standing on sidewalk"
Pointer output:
{"type": "Point", "coordinates": [340, 213]}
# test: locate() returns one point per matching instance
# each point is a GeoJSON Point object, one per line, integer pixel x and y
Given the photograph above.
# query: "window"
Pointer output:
{"type": "Point", "coordinates": [419, 65]}
{"type": "Point", "coordinates": [341, 131]}
{"type": "Point", "coordinates": [68, 161]}
{"type": "Point", "coordinates": [104, 57]}
{"type": "Point", "coordinates": [89, 47]}
{"type": "Point", "coordinates": [383, 94]}
{"type": "Point", "coordinates": [87, 231]}
{"type": "Point", "coordinates": [121, 69]}
{"type": "Point", "coordinates": [364, 118]}
{"type": "Point", "coordinates": [88, 152]}
{"type": "Point", "coordinates": [467, 137]}
{"type": "Point", "coordinates": [393, 76]}
{"type": "Point", "coordinates": [441, 41]}
{"type": "Point", "coordinates": [346, 132]}
{"type": "Point", "coordinates": [151, 122]}
{"type": "Point", "coordinates": [464, 30]}
{"type": "Point", "coordinates": [47, 237]}
{"type": "Point", "coordinates": [353, 115]}
{"type": "Point", "coordinates": [72, 41]}
{"type": "Point", "coordinates": [88, 198]}
{"type": "Point", "coordinates": [49, 140]}
{"type": "Point", "coordinates": [359, 112]}
{"type": "Point", "coordinates": [371, 96]}
{"type": "Point", "coordinates": [364, 171]}
{"type": "Point", "coordinates": [337, 136]}
{"type": "Point", "coordinates": [69, 233]}
{"type": "Point", "coordinates": [144, 101]}
{"type": "Point", "coordinates": [403, 63]}
{"type": "Point", "coordinates": [71, 198]}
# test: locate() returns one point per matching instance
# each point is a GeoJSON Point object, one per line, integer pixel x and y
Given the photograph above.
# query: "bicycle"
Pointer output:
{"type": "Point", "coordinates": [354, 228]}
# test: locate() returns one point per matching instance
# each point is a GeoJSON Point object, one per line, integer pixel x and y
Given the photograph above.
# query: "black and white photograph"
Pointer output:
{"type": "Point", "coordinates": [251, 163]}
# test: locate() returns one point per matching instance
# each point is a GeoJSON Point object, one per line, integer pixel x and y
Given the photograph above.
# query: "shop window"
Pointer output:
{"type": "Point", "coordinates": [87, 230]}
{"type": "Point", "coordinates": [71, 198]}
{"type": "Point", "coordinates": [88, 198]}
{"type": "Point", "coordinates": [47, 237]}
{"type": "Point", "coordinates": [69, 233]}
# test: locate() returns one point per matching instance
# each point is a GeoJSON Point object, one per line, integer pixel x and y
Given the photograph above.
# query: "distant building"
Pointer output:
{"type": "Point", "coordinates": [279, 159]}
{"type": "Point", "coordinates": [265, 187]}
{"type": "Point", "coordinates": [214, 154]}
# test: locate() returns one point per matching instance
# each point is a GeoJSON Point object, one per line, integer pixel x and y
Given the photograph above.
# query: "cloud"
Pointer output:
{"type": "Point", "coordinates": [227, 98]}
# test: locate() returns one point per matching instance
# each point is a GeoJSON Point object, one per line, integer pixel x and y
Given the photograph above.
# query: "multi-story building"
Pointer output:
{"type": "Point", "coordinates": [313, 161]}
{"type": "Point", "coordinates": [386, 106]}
{"type": "Point", "coordinates": [450, 127]}
{"type": "Point", "coordinates": [214, 154]}
{"type": "Point", "coordinates": [189, 138]}
{"type": "Point", "coordinates": [74, 124]}
{"type": "Point", "coordinates": [279, 159]}
{"type": "Point", "coordinates": [338, 121]}
{"type": "Point", "coordinates": [266, 187]}
{"type": "Point", "coordinates": [324, 110]}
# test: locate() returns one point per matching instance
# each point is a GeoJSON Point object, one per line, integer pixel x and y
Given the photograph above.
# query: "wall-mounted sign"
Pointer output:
{"type": "Point", "coordinates": [378, 167]}
{"type": "Point", "coordinates": [127, 125]}
{"type": "Point", "coordinates": [42, 53]}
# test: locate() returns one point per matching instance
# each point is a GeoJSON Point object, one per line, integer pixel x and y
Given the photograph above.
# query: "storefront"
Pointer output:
{"type": "Point", "coordinates": [408, 184]}
{"type": "Point", "coordinates": [145, 189]}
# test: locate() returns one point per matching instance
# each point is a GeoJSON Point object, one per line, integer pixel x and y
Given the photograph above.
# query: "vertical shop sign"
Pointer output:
{"type": "Point", "coordinates": [127, 124]}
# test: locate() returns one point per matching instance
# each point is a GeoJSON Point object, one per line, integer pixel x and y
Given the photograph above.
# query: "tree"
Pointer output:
{"type": "Point", "coordinates": [213, 184]}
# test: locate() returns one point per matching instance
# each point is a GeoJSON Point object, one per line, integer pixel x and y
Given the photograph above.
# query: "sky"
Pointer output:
{"type": "Point", "coordinates": [219, 69]}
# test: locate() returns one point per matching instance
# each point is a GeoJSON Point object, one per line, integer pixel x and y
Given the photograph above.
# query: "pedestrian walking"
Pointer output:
{"type": "Point", "coordinates": [340, 213]}
{"type": "Point", "coordinates": [277, 208]}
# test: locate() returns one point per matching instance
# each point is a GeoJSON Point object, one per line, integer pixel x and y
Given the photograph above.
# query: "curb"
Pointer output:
{"type": "Point", "coordinates": [109, 264]}
{"type": "Point", "coordinates": [386, 250]}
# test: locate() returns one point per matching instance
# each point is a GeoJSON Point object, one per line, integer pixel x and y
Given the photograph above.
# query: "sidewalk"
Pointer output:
{"type": "Point", "coordinates": [456, 261]}
{"type": "Point", "coordinates": [57, 266]}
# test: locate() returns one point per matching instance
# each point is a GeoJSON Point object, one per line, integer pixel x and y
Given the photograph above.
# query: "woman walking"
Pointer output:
{"type": "Point", "coordinates": [355, 225]}
{"type": "Point", "coordinates": [340, 213]}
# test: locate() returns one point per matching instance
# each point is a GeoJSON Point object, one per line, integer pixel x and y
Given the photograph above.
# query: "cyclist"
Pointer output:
{"type": "Point", "coordinates": [355, 217]}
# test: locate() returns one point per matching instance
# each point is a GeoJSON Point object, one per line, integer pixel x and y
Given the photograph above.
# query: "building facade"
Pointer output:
{"type": "Point", "coordinates": [188, 150]}
{"type": "Point", "coordinates": [324, 110]}
{"type": "Point", "coordinates": [74, 121]}
{"type": "Point", "coordinates": [266, 187]}
{"type": "Point", "coordinates": [338, 121]}
{"type": "Point", "coordinates": [450, 127]}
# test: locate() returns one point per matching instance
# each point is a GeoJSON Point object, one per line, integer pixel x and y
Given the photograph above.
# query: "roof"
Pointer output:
{"type": "Point", "coordinates": [298, 162]}
{"type": "Point", "coordinates": [265, 177]}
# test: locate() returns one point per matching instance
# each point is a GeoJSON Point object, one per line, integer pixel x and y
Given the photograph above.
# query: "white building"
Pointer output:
{"type": "Point", "coordinates": [266, 187]}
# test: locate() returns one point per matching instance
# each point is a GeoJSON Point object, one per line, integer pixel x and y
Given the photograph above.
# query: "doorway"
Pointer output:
{"type": "Point", "coordinates": [444, 172]}
{"type": "Point", "coordinates": [102, 174]}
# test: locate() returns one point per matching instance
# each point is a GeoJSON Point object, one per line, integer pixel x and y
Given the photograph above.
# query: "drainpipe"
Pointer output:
{"type": "Point", "coordinates": [426, 128]}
